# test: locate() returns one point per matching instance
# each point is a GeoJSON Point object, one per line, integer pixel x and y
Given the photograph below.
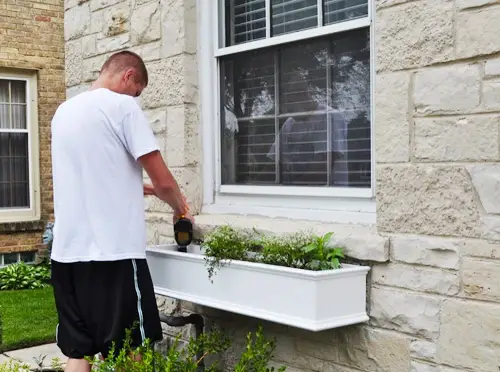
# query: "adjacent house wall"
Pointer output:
{"type": "Point", "coordinates": [31, 37]}
{"type": "Point", "coordinates": [434, 296]}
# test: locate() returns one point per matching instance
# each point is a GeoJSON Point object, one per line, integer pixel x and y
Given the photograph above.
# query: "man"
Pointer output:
{"type": "Point", "coordinates": [101, 142]}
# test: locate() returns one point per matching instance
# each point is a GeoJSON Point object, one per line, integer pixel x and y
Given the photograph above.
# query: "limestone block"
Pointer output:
{"type": "Point", "coordinates": [75, 90]}
{"type": "Point", "coordinates": [416, 278]}
{"type": "Point", "coordinates": [113, 44]}
{"type": "Point", "coordinates": [423, 367]}
{"type": "Point", "coordinates": [167, 305]}
{"type": "Point", "coordinates": [190, 182]}
{"type": "Point", "coordinates": [481, 279]}
{"type": "Point", "coordinates": [466, 4]}
{"type": "Point", "coordinates": [149, 52]}
{"type": "Point", "coordinates": [480, 248]}
{"type": "Point", "coordinates": [422, 349]}
{"type": "Point", "coordinates": [392, 132]}
{"type": "Point", "coordinates": [425, 199]}
{"type": "Point", "coordinates": [492, 68]}
{"type": "Point", "coordinates": [490, 228]}
{"type": "Point", "coordinates": [491, 95]}
{"type": "Point", "coordinates": [183, 147]}
{"type": "Point", "coordinates": [76, 21]}
{"type": "Point", "coordinates": [101, 4]}
{"type": "Point", "coordinates": [145, 23]}
{"type": "Point", "coordinates": [111, 21]}
{"type": "Point", "coordinates": [414, 34]}
{"type": "Point", "coordinates": [367, 349]}
{"type": "Point", "coordinates": [178, 22]}
{"type": "Point", "coordinates": [157, 119]}
{"type": "Point", "coordinates": [450, 89]}
{"type": "Point", "coordinates": [286, 352]}
{"type": "Point", "coordinates": [89, 45]}
{"type": "Point", "coordinates": [442, 139]}
{"type": "Point", "coordinates": [470, 335]}
{"type": "Point", "coordinates": [471, 40]}
{"type": "Point", "coordinates": [388, 3]}
{"type": "Point", "coordinates": [168, 83]}
{"type": "Point", "coordinates": [73, 62]}
{"type": "Point", "coordinates": [405, 311]}
{"type": "Point", "coordinates": [486, 181]}
{"type": "Point", "coordinates": [438, 252]}
{"type": "Point", "coordinates": [92, 66]}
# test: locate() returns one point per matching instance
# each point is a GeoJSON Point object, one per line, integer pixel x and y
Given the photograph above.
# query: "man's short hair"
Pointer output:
{"type": "Point", "coordinates": [124, 60]}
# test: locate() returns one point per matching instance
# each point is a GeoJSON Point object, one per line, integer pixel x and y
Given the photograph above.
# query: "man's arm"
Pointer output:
{"type": "Point", "coordinates": [164, 183]}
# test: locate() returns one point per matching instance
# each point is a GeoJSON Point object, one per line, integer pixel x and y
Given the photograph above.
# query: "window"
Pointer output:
{"type": "Point", "coordinates": [11, 258]}
{"type": "Point", "coordinates": [19, 199]}
{"type": "Point", "coordinates": [295, 96]}
{"type": "Point", "coordinates": [287, 108]}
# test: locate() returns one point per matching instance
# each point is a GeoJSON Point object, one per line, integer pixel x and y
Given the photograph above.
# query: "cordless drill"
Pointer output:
{"type": "Point", "coordinates": [183, 233]}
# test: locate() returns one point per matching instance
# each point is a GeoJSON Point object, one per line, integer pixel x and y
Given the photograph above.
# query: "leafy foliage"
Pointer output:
{"type": "Point", "coordinates": [301, 250]}
{"type": "Point", "coordinates": [23, 276]}
{"type": "Point", "coordinates": [225, 243]}
{"type": "Point", "coordinates": [256, 357]}
{"type": "Point", "coordinates": [14, 366]}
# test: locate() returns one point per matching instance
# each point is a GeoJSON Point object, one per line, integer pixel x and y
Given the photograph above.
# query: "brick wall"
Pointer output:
{"type": "Point", "coordinates": [32, 37]}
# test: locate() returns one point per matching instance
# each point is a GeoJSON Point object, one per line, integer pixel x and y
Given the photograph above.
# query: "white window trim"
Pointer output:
{"type": "Point", "coordinates": [33, 212]}
{"type": "Point", "coordinates": [343, 205]}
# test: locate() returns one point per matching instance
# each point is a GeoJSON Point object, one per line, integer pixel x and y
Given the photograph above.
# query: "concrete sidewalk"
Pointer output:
{"type": "Point", "coordinates": [33, 357]}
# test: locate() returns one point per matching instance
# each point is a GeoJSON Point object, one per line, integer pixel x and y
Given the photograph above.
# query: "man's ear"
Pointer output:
{"type": "Point", "coordinates": [129, 74]}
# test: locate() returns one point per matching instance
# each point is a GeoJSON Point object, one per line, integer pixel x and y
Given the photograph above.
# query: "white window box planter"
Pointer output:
{"type": "Point", "coordinates": [312, 300]}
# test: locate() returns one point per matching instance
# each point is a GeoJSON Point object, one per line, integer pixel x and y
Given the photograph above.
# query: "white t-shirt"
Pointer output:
{"type": "Point", "coordinates": [97, 137]}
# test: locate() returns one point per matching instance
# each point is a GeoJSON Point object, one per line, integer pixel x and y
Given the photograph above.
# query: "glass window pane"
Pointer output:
{"type": "Point", "coordinates": [28, 257]}
{"type": "Point", "coordinates": [315, 131]}
{"type": "Point", "coordinates": [18, 116]}
{"type": "Point", "coordinates": [10, 258]}
{"type": "Point", "coordinates": [4, 116]}
{"type": "Point", "coordinates": [18, 91]}
{"type": "Point", "coordinates": [343, 10]}
{"type": "Point", "coordinates": [293, 15]}
{"type": "Point", "coordinates": [4, 91]}
{"type": "Point", "coordinates": [245, 21]}
{"type": "Point", "coordinates": [14, 171]}
{"type": "Point", "coordinates": [248, 127]}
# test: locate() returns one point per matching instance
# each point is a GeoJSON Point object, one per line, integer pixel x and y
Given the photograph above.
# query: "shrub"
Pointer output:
{"type": "Point", "coordinates": [255, 358]}
{"type": "Point", "coordinates": [23, 276]}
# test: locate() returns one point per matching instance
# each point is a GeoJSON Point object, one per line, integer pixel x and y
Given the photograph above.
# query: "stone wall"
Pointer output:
{"type": "Point", "coordinates": [434, 298]}
{"type": "Point", "coordinates": [31, 37]}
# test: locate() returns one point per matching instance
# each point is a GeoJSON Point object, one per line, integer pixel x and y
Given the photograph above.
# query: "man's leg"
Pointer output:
{"type": "Point", "coordinates": [73, 337]}
{"type": "Point", "coordinates": [77, 365]}
{"type": "Point", "coordinates": [134, 305]}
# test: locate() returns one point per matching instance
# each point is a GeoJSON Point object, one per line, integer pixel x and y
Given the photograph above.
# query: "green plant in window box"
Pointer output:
{"type": "Point", "coordinates": [301, 250]}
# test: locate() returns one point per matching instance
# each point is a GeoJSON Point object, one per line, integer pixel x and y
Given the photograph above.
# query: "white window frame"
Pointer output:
{"type": "Point", "coordinates": [18, 258]}
{"type": "Point", "coordinates": [32, 213]}
{"type": "Point", "coordinates": [332, 204]}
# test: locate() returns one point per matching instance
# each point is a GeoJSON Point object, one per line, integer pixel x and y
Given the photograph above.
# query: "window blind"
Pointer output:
{"type": "Point", "coordinates": [293, 15]}
{"type": "Point", "coordinates": [302, 114]}
{"type": "Point", "coordinates": [246, 20]}
{"type": "Point", "coordinates": [14, 164]}
{"type": "Point", "coordinates": [343, 10]}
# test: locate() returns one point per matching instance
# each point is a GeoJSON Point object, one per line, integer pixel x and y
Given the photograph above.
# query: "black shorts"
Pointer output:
{"type": "Point", "coordinates": [98, 301]}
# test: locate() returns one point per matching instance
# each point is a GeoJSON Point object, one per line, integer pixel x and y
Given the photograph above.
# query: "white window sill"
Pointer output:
{"type": "Point", "coordinates": [357, 211]}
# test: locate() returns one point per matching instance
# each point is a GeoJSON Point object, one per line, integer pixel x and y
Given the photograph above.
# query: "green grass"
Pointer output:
{"type": "Point", "coordinates": [29, 318]}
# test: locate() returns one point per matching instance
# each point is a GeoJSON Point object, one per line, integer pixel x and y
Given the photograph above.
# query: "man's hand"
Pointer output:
{"type": "Point", "coordinates": [149, 189]}
{"type": "Point", "coordinates": [187, 215]}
